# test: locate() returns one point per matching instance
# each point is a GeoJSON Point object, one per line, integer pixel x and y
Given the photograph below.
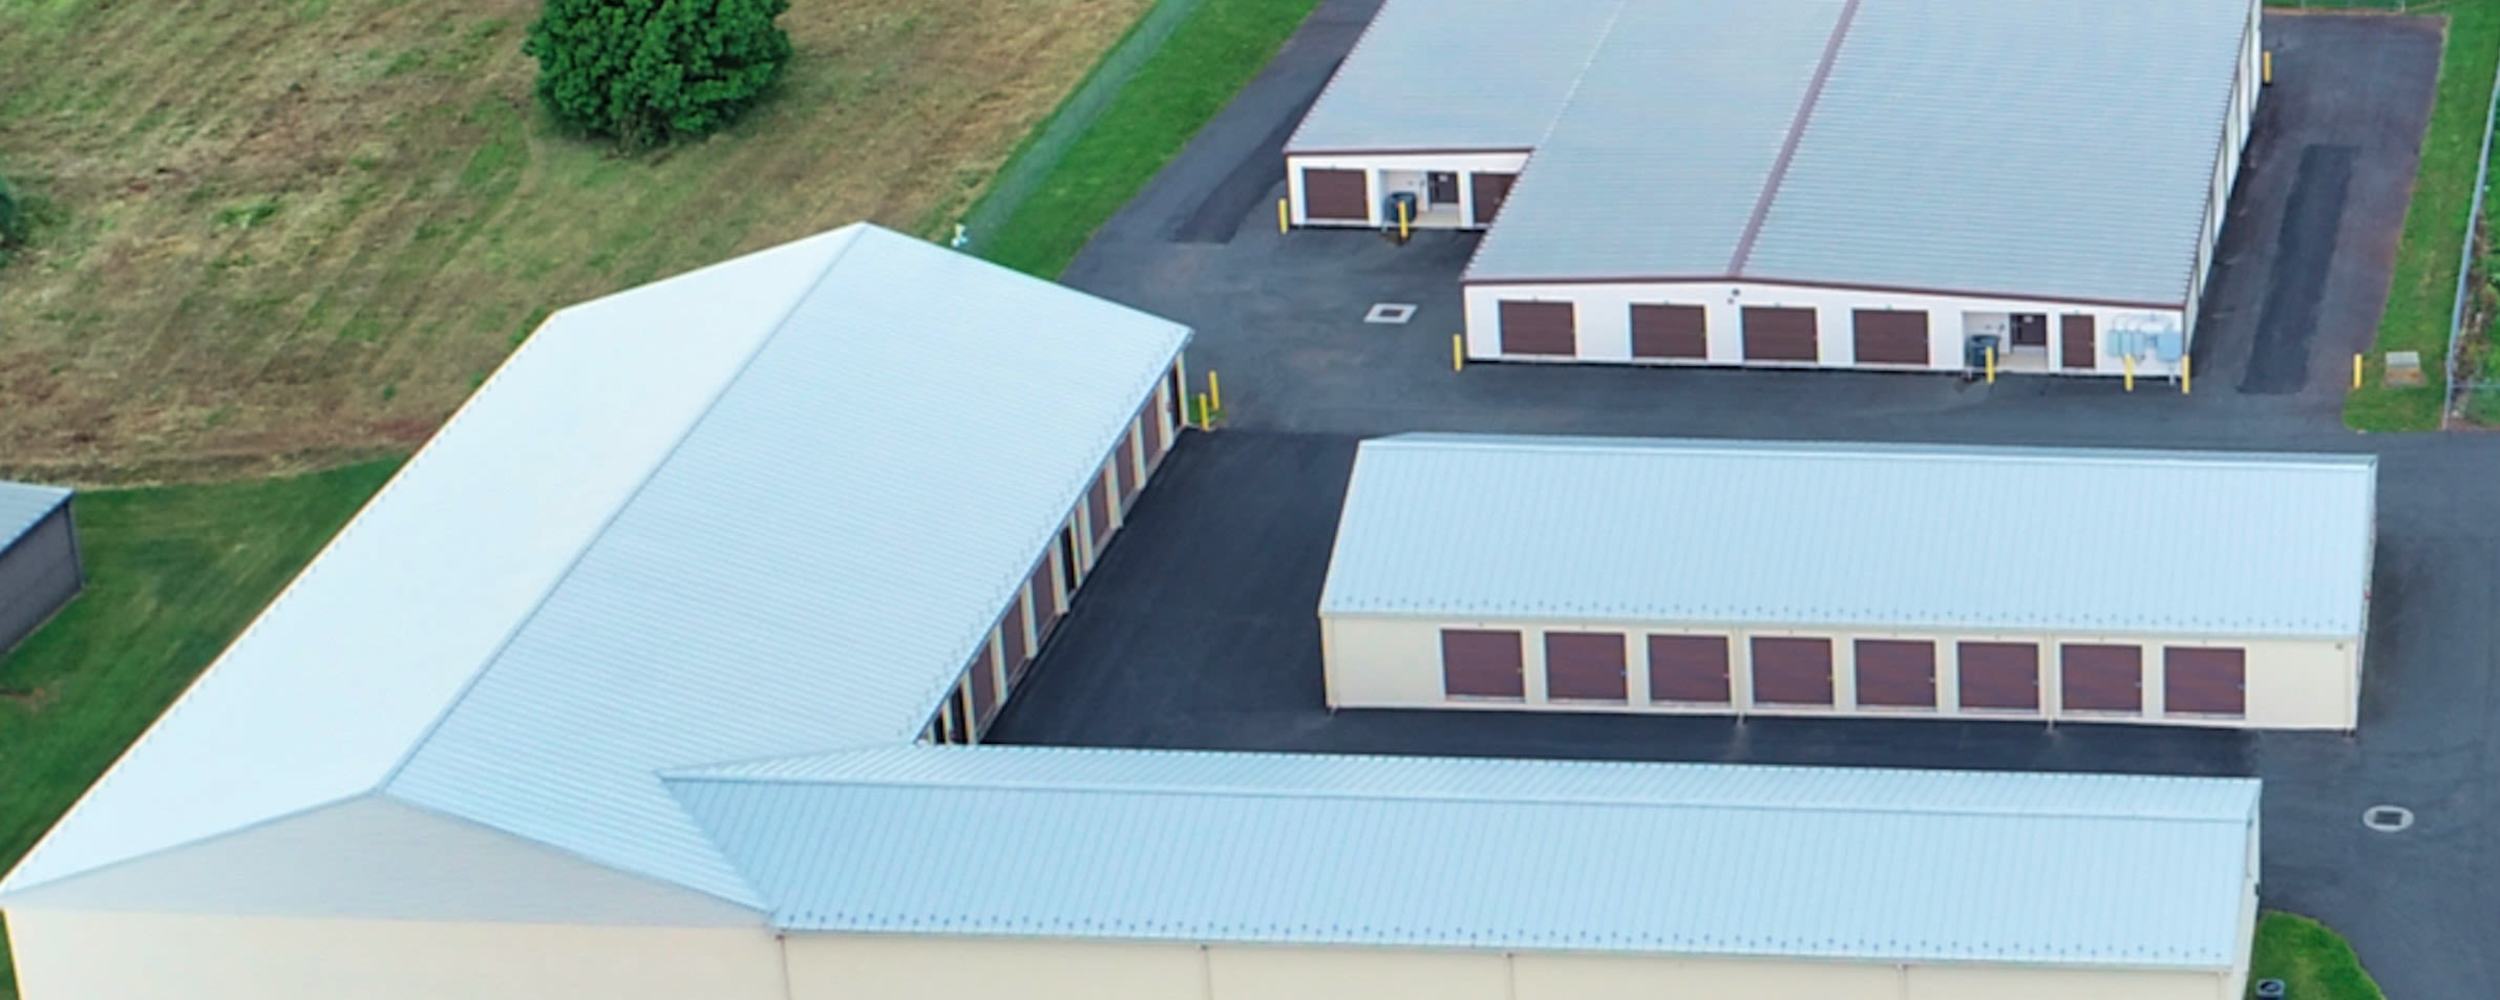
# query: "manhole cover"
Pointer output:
{"type": "Point", "coordinates": [1390, 314]}
{"type": "Point", "coordinates": [2387, 819]}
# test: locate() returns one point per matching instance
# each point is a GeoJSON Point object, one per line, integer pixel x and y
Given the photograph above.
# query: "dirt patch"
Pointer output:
{"type": "Point", "coordinates": [290, 232]}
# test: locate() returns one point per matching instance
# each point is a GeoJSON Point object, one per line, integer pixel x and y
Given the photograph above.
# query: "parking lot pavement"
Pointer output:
{"type": "Point", "coordinates": [2301, 276]}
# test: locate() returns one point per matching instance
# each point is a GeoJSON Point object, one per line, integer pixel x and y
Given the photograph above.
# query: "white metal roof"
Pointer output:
{"type": "Point", "coordinates": [2059, 149]}
{"type": "Point", "coordinates": [1687, 859]}
{"type": "Point", "coordinates": [694, 521]}
{"type": "Point", "coordinates": [24, 504]}
{"type": "Point", "coordinates": [1908, 536]}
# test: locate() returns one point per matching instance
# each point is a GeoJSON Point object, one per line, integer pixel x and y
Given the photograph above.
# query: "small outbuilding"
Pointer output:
{"type": "Point", "coordinates": [39, 565]}
{"type": "Point", "coordinates": [1745, 578]}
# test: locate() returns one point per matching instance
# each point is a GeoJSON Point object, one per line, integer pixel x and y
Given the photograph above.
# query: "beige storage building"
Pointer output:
{"type": "Point", "coordinates": [1559, 574]}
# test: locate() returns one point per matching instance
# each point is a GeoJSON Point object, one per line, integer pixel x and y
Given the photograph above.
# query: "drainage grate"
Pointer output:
{"type": "Point", "coordinates": [1390, 314]}
{"type": "Point", "coordinates": [2387, 819]}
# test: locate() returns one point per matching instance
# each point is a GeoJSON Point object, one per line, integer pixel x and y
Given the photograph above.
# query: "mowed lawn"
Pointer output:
{"type": "Point", "coordinates": [284, 232]}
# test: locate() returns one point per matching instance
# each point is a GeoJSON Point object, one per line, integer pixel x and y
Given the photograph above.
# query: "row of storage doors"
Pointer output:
{"type": "Point", "coordinates": [1797, 672]}
{"type": "Point", "coordinates": [1770, 334]}
{"type": "Point", "coordinates": [1333, 195]}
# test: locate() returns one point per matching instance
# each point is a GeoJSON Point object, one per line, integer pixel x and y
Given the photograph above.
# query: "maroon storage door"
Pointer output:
{"type": "Point", "coordinates": [1890, 336]}
{"type": "Point", "coordinates": [1792, 671]}
{"type": "Point", "coordinates": [2101, 678]}
{"type": "Point", "coordinates": [1679, 332]}
{"type": "Point", "coordinates": [1490, 190]}
{"type": "Point", "coordinates": [2205, 681]}
{"type": "Point", "coordinates": [1896, 673]}
{"type": "Point", "coordinates": [1584, 666]}
{"type": "Point", "coordinates": [984, 671]}
{"type": "Point", "coordinates": [1124, 466]}
{"type": "Point", "coordinates": [1778, 333]}
{"type": "Point", "coordinates": [1546, 328]}
{"type": "Point", "coordinates": [1045, 597]}
{"type": "Point", "coordinates": [2076, 346]}
{"type": "Point", "coordinates": [2000, 676]}
{"type": "Point", "coordinates": [1098, 512]}
{"type": "Point", "coordinates": [1335, 195]}
{"type": "Point", "coordinates": [1011, 639]}
{"type": "Point", "coordinates": [1480, 663]}
{"type": "Point", "coordinates": [1688, 668]}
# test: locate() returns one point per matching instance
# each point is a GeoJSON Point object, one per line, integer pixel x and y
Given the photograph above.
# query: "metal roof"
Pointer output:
{"type": "Point", "coordinates": [688, 522]}
{"type": "Point", "coordinates": [1722, 533]}
{"type": "Point", "coordinates": [1443, 852]}
{"type": "Point", "coordinates": [22, 505]}
{"type": "Point", "coordinates": [1914, 157]}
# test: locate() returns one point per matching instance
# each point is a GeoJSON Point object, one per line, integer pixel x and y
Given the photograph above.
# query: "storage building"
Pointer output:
{"type": "Point", "coordinates": [1747, 578]}
{"type": "Point", "coordinates": [39, 565]}
{"type": "Point", "coordinates": [1894, 184]}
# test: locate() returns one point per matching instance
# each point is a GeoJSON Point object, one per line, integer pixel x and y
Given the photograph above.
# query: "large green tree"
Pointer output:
{"type": "Point", "coordinates": [653, 71]}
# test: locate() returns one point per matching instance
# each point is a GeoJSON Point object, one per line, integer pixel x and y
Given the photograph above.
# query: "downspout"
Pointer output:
{"type": "Point", "coordinates": [781, 940]}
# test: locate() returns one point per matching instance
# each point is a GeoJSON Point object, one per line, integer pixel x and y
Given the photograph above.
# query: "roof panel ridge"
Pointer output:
{"type": "Point", "coordinates": [1796, 132]}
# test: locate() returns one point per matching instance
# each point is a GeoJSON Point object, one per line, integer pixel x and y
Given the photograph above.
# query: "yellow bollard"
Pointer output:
{"type": "Point", "coordinates": [1458, 352]}
{"type": "Point", "coordinates": [1206, 414]}
{"type": "Point", "coordinates": [1215, 389]}
{"type": "Point", "coordinates": [1406, 226]}
{"type": "Point", "coordinates": [1992, 366]}
{"type": "Point", "coordinates": [2266, 73]}
{"type": "Point", "coordinates": [2356, 371]}
{"type": "Point", "coordinates": [1284, 216]}
{"type": "Point", "coordinates": [2187, 375]}
{"type": "Point", "coordinates": [2130, 361]}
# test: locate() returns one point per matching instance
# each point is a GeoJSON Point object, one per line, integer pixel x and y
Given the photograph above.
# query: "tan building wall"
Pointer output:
{"type": "Point", "coordinates": [1383, 662]}
{"type": "Point", "coordinates": [79, 955]}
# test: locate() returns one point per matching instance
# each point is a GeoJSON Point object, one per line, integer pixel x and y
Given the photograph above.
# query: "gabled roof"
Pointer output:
{"type": "Point", "coordinates": [1756, 533]}
{"type": "Point", "coordinates": [689, 522]}
{"type": "Point", "coordinates": [1732, 860]}
{"type": "Point", "coordinates": [22, 505]}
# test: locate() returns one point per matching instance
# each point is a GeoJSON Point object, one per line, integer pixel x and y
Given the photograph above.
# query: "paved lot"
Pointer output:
{"type": "Point", "coordinates": [1200, 629]}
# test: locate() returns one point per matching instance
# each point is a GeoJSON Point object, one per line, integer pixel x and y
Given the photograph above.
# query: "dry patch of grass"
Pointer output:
{"type": "Point", "coordinates": [286, 232]}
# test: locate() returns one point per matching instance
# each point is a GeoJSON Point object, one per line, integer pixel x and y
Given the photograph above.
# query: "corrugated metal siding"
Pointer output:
{"type": "Point", "coordinates": [1455, 74]}
{"type": "Point", "coordinates": [23, 504]}
{"type": "Point", "coordinates": [2141, 542]}
{"type": "Point", "coordinates": [39, 572]}
{"type": "Point", "coordinates": [1884, 865]}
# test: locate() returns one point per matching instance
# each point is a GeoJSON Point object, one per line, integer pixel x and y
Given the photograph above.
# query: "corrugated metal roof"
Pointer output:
{"type": "Point", "coordinates": [1441, 852]}
{"type": "Point", "coordinates": [24, 504]}
{"type": "Point", "coordinates": [1455, 74]}
{"type": "Point", "coordinates": [684, 523]}
{"type": "Point", "coordinates": [2070, 540]}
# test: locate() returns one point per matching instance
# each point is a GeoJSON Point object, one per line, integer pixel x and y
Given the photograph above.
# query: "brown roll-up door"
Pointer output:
{"type": "Point", "coordinates": [1584, 666]}
{"type": "Point", "coordinates": [2101, 678]}
{"type": "Point", "coordinates": [1045, 597]}
{"type": "Point", "coordinates": [1098, 511]}
{"type": "Point", "coordinates": [1124, 467]}
{"type": "Point", "coordinates": [1661, 331]}
{"type": "Point", "coordinates": [984, 671]}
{"type": "Point", "coordinates": [1490, 190]}
{"type": "Point", "coordinates": [2077, 346]}
{"type": "Point", "coordinates": [1890, 336]}
{"type": "Point", "coordinates": [1778, 333]}
{"type": "Point", "coordinates": [1549, 328]}
{"type": "Point", "coordinates": [2205, 681]}
{"type": "Point", "coordinates": [1896, 673]}
{"type": "Point", "coordinates": [2000, 675]}
{"type": "Point", "coordinates": [1688, 668]}
{"type": "Point", "coordinates": [1011, 640]}
{"type": "Point", "coordinates": [1336, 195]}
{"type": "Point", "coordinates": [1481, 663]}
{"type": "Point", "coordinates": [1792, 671]}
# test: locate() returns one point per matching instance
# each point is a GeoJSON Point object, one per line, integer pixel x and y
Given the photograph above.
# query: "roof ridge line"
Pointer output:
{"type": "Point", "coordinates": [1796, 132]}
{"type": "Point", "coordinates": [574, 564]}
{"type": "Point", "coordinates": [1561, 109]}
{"type": "Point", "coordinates": [1862, 450]}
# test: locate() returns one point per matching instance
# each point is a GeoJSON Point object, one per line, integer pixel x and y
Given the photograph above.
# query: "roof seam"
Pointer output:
{"type": "Point", "coordinates": [1796, 133]}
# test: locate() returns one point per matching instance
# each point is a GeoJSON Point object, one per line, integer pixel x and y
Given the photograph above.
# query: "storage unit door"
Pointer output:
{"type": "Point", "coordinates": [1336, 195]}
{"type": "Point", "coordinates": [1792, 671]}
{"type": "Point", "coordinates": [1890, 336]}
{"type": "Point", "coordinates": [1481, 663]}
{"type": "Point", "coordinates": [1045, 597]}
{"type": "Point", "coordinates": [1540, 328]}
{"type": "Point", "coordinates": [985, 701]}
{"type": "Point", "coordinates": [1011, 639]}
{"type": "Point", "coordinates": [1896, 673]}
{"type": "Point", "coordinates": [1777, 333]}
{"type": "Point", "coordinates": [1489, 190]}
{"type": "Point", "coordinates": [2101, 678]}
{"type": "Point", "coordinates": [1124, 464]}
{"type": "Point", "coordinates": [1688, 668]}
{"type": "Point", "coordinates": [1584, 666]}
{"type": "Point", "coordinates": [1098, 513]}
{"type": "Point", "coordinates": [2077, 346]}
{"type": "Point", "coordinates": [1678, 332]}
{"type": "Point", "coordinates": [2000, 676]}
{"type": "Point", "coordinates": [2205, 681]}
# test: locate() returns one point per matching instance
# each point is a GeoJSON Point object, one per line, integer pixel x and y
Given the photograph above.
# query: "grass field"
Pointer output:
{"type": "Point", "coordinates": [2423, 289]}
{"type": "Point", "coordinates": [172, 574]}
{"type": "Point", "coordinates": [283, 233]}
{"type": "Point", "coordinates": [2312, 961]}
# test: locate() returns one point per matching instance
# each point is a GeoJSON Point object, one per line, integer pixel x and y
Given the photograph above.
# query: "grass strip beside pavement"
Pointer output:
{"type": "Point", "coordinates": [2422, 293]}
{"type": "Point", "coordinates": [1208, 59]}
{"type": "Point", "coordinates": [2314, 962]}
{"type": "Point", "coordinates": [173, 573]}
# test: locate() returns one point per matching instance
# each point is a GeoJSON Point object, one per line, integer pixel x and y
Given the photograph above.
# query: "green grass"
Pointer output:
{"type": "Point", "coordinates": [2423, 290]}
{"type": "Point", "coordinates": [172, 574]}
{"type": "Point", "coordinates": [1210, 55]}
{"type": "Point", "coordinates": [2313, 961]}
